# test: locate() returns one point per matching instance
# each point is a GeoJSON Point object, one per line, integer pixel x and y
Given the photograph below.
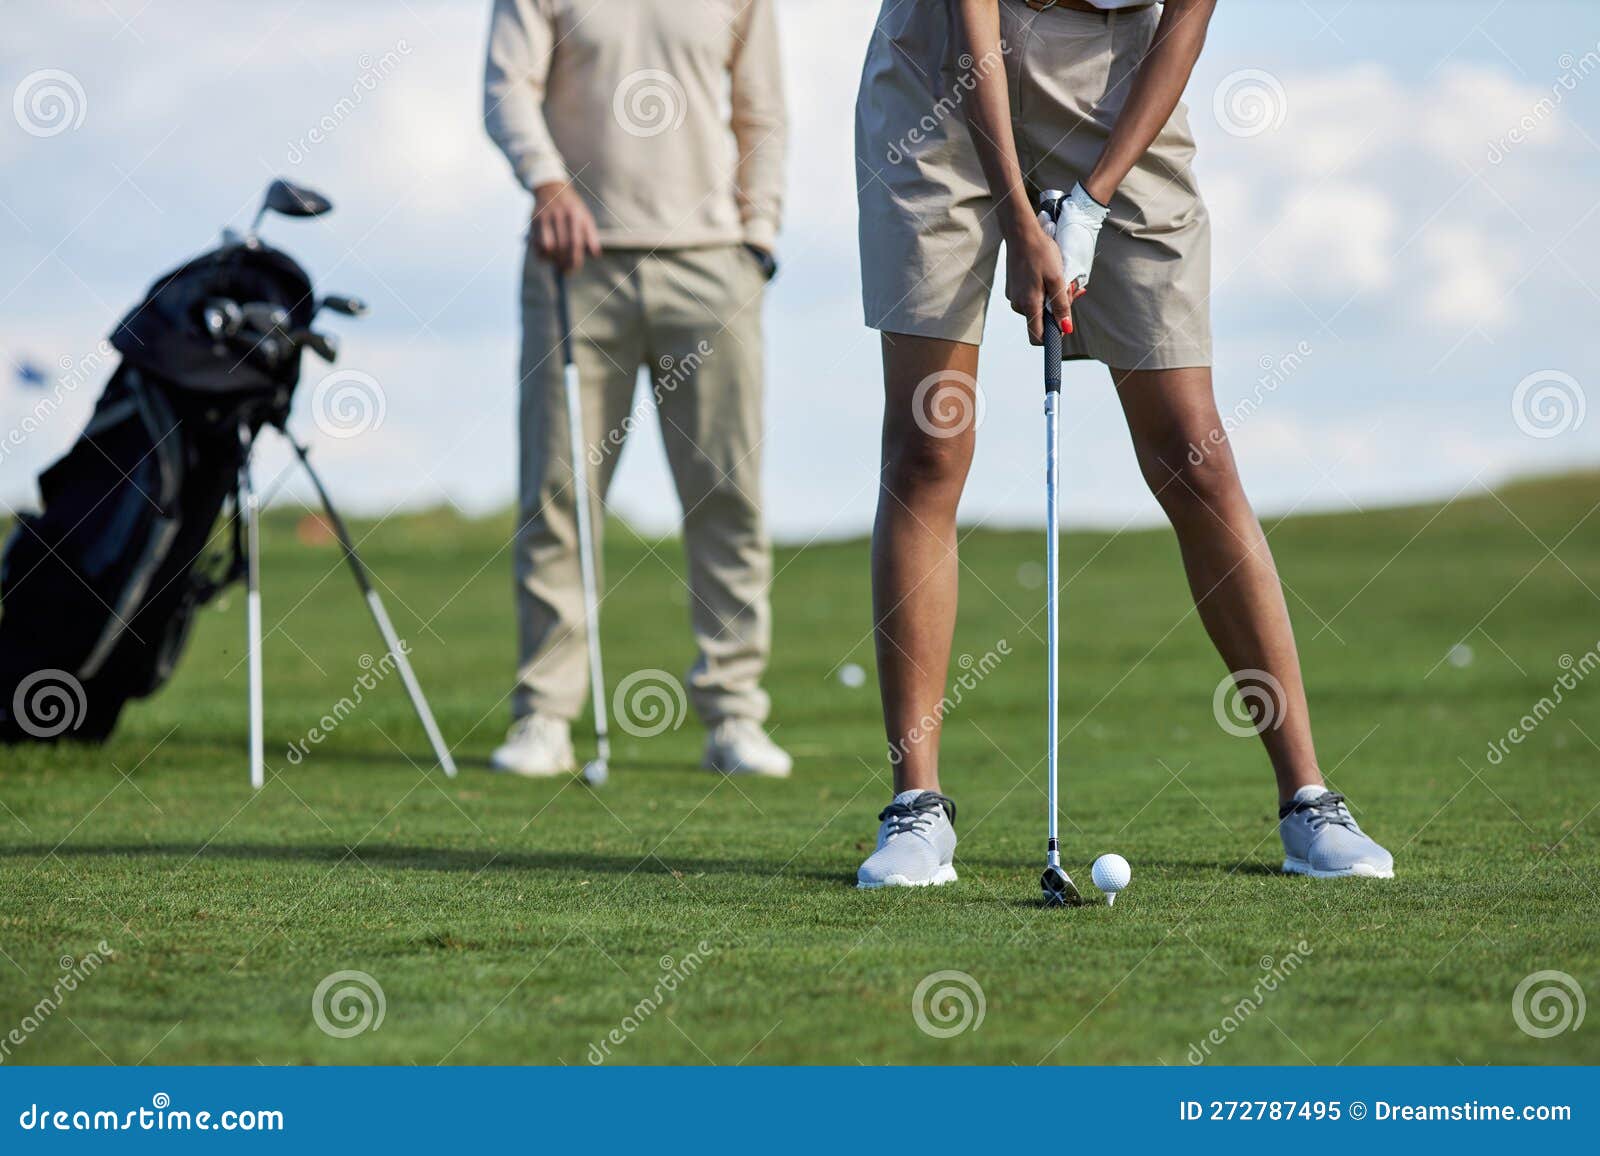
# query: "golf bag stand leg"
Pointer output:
{"type": "Point", "coordinates": [1056, 884]}
{"type": "Point", "coordinates": [597, 771]}
{"type": "Point", "coordinates": [250, 511]}
{"type": "Point", "coordinates": [379, 615]}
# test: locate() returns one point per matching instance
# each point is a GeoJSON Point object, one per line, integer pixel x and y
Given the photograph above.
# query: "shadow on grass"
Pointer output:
{"type": "Point", "coordinates": [426, 859]}
{"type": "Point", "coordinates": [1167, 868]}
{"type": "Point", "coordinates": [224, 747]}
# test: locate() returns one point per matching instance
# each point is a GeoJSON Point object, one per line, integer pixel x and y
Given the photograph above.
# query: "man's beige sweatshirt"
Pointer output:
{"type": "Point", "coordinates": [667, 115]}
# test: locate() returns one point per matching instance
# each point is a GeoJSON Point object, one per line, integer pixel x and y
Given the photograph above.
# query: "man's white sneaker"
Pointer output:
{"type": "Point", "coordinates": [916, 843]}
{"type": "Point", "coordinates": [1322, 839]}
{"type": "Point", "coordinates": [738, 746]}
{"type": "Point", "coordinates": [536, 747]}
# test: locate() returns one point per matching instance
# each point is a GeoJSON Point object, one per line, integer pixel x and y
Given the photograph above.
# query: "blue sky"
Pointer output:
{"type": "Point", "coordinates": [1428, 274]}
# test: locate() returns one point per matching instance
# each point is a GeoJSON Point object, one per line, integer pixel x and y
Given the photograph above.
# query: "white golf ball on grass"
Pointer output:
{"type": "Point", "coordinates": [1111, 874]}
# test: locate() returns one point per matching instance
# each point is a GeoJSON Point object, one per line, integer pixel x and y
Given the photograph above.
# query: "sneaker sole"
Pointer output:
{"type": "Point", "coordinates": [1359, 870]}
{"type": "Point", "coordinates": [945, 874]}
{"type": "Point", "coordinates": [744, 770]}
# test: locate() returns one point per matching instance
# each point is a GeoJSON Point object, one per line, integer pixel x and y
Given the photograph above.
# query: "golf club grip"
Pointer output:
{"type": "Point", "coordinates": [1052, 353]}
{"type": "Point", "coordinates": [563, 316]}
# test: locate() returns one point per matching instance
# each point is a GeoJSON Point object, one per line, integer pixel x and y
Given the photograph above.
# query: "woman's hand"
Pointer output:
{"type": "Point", "coordinates": [1077, 232]}
{"type": "Point", "coordinates": [1034, 276]}
{"type": "Point", "coordinates": [1033, 262]}
{"type": "Point", "coordinates": [563, 228]}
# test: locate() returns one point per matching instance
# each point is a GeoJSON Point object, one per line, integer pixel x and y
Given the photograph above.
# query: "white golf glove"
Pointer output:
{"type": "Point", "coordinates": [1076, 231]}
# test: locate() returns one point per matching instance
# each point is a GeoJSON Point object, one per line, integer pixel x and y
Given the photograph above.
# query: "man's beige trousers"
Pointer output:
{"type": "Point", "coordinates": [692, 318]}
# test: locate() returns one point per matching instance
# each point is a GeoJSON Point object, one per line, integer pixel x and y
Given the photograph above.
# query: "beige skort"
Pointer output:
{"type": "Point", "coordinates": [929, 234]}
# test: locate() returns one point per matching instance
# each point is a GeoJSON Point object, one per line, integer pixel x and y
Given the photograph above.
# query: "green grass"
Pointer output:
{"type": "Point", "coordinates": [511, 921]}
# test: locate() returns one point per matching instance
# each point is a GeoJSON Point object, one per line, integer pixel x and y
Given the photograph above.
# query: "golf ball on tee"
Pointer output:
{"type": "Point", "coordinates": [1111, 874]}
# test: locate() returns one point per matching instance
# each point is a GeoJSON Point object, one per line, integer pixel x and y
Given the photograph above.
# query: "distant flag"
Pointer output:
{"type": "Point", "coordinates": [31, 375]}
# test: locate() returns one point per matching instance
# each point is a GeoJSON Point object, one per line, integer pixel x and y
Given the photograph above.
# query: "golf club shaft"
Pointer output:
{"type": "Point", "coordinates": [380, 616]}
{"type": "Point", "coordinates": [1052, 482]}
{"type": "Point", "coordinates": [586, 545]}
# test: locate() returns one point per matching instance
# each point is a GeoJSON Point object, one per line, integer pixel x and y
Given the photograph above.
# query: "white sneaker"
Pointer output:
{"type": "Point", "coordinates": [916, 843]}
{"type": "Point", "coordinates": [738, 746]}
{"type": "Point", "coordinates": [536, 747]}
{"type": "Point", "coordinates": [1323, 840]}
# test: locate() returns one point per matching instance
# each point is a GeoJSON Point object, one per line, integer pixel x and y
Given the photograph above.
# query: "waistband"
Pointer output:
{"type": "Point", "coordinates": [1083, 6]}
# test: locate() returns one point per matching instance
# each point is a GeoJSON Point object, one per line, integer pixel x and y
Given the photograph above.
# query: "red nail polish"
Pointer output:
{"type": "Point", "coordinates": [1066, 325]}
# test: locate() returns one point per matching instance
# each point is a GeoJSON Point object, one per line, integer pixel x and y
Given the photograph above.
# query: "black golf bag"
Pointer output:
{"type": "Point", "coordinates": [98, 590]}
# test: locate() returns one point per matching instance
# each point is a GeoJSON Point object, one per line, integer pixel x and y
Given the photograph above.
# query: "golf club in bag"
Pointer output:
{"type": "Point", "coordinates": [597, 770]}
{"type": "Point", "coordinates": [99, 589]}
{"type": "Point", "coordinates": [1056, 884]}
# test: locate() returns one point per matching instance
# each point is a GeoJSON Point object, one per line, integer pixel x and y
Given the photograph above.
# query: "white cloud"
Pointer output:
{"type": "Point", "coordinates": [1371, 186]}
{"type": "Point", "coordinates": [1338, 122]}
{"type": "Point", "coordinates": [1335, 237]}
{"type": "Point", "coordinates": [1469, 275]}
{"type": "Point", "coordinates": [1470, 107]}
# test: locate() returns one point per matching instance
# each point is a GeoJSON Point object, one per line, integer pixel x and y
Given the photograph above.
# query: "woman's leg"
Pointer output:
{"type": "Point", "coordinates": [1185, 457]}
{"type": "Point", "coordinates": [928, 418]}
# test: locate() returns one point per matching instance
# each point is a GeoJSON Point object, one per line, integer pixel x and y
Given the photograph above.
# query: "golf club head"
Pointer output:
{"type": "Point", "coordinates": [221, 316]}
{"type": "Point", "coordinates": [275, 348]}
{"type": "Point", "coordinates": [292, 200]}
{"type": "Point", "coordinates": [263, 316]}
{"type": "Point", "coordinates": [324, 345]}
{"type": "Point", "coordinates": [1059, 889]}
{"type": "Point", "coordinates": [349, 306]}
{"type": "Point", "coordinates": [596, 773]}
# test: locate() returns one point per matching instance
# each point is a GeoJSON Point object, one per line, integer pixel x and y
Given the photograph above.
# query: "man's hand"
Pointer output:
{"type": "Point", "coordinates": [1034, 277]}
{"type": "Point", "coordinates": [763, 257]}
{"type": "Point", "coordinates": [563, 228]}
